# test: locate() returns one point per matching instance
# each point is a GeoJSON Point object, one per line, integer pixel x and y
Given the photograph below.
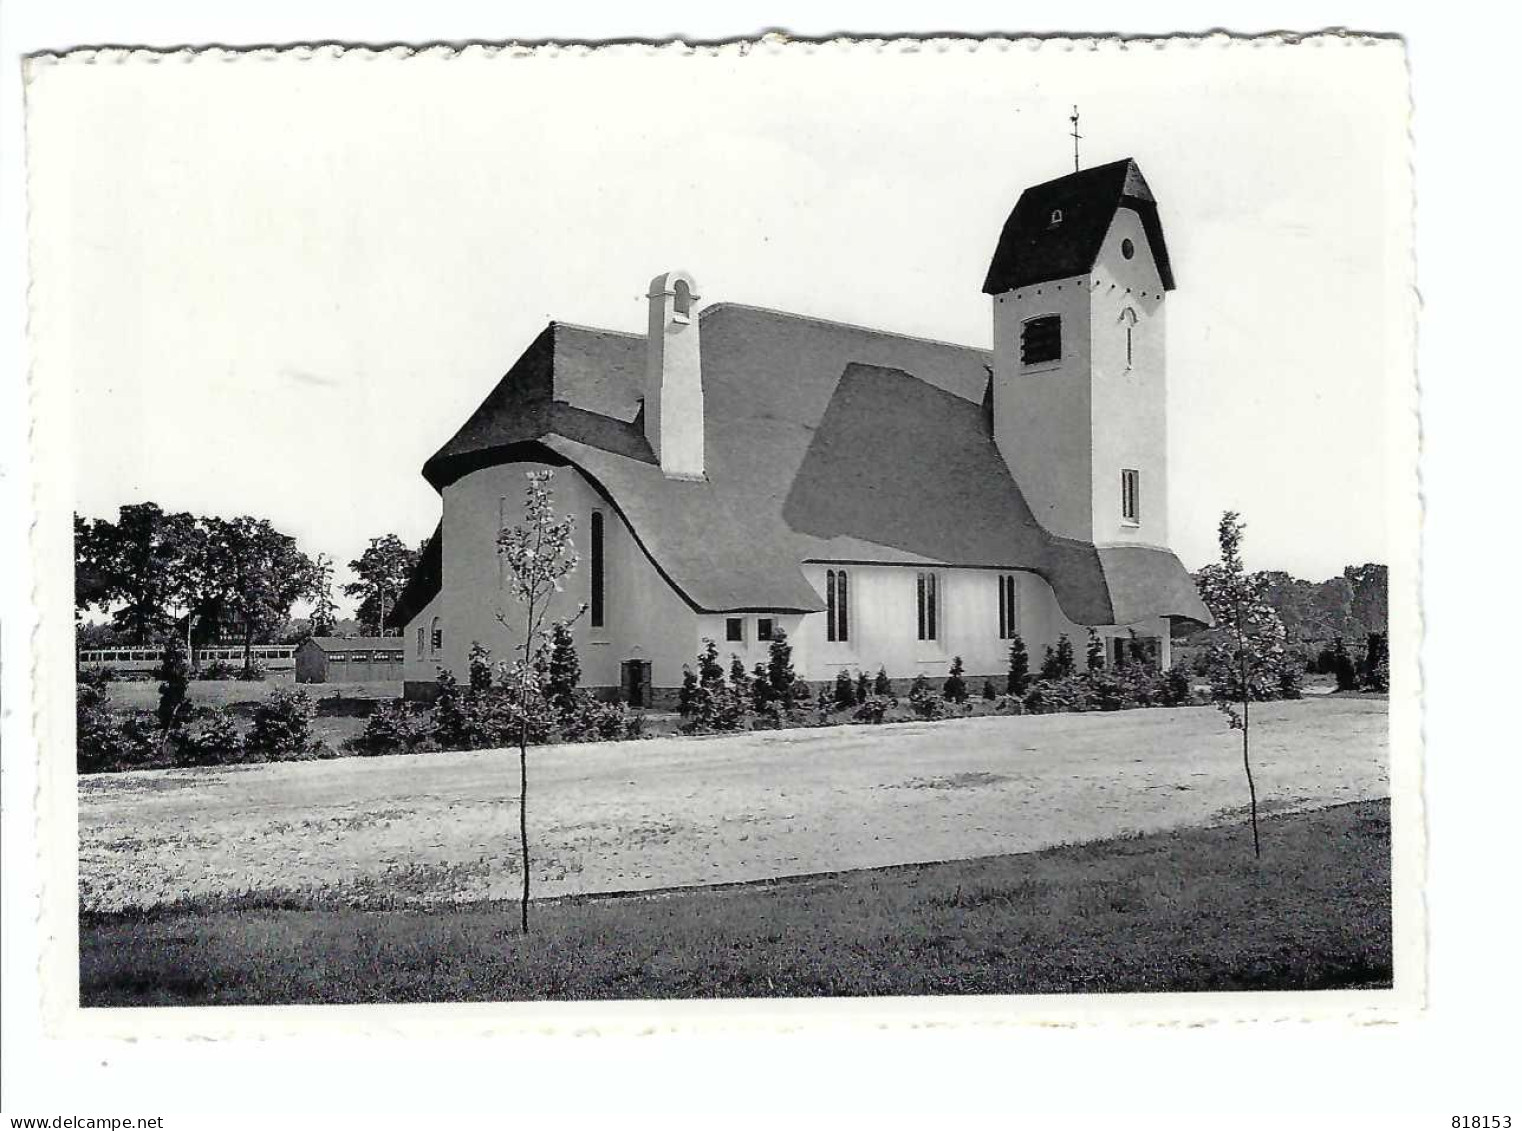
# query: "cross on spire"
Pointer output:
{"type": "Point", "coordinates": [1076, 135]}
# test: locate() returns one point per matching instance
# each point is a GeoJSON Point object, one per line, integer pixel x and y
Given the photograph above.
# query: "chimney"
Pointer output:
{"type": "Point", "coordinates": [673, 377]}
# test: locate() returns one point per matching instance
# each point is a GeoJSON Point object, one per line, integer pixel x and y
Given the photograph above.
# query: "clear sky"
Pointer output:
{"type": "Point", "coordinates": [278, 286]}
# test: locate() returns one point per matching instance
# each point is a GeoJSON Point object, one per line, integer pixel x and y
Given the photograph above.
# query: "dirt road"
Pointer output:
{"type": "Point", "coordinates": [665, 812]}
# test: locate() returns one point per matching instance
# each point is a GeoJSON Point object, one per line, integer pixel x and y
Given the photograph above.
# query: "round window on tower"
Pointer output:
{"type": "Point", "coordinates": [1127, 248]}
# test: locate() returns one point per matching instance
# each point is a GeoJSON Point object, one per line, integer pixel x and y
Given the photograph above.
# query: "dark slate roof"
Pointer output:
{"type": "Point", "coordinates": [1032, 250]}
{"type": "Point", "coordinates": [824, 442]}
{"type": "Point", "coordinates": [357, 643]}
{"type": "Point", "coordinates": [426, 580]}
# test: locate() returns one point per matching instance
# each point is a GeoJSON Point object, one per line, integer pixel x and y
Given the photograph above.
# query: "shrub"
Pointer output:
{"type": "Point", "coordinates": [713, 705]}
{"type": "Point", "coordinates": [563, 672]}
{"type": "Point", "coordinates": [218, 670]}
{"type": "Point", "coordinates": [955, 688]}
{"type": "Point", "coordinates": [1375, 675]}
{"type": "Point", "coordinates": [252, 671]}
{"type": "Point", "coordinates": [141, 740]}
{"type": "Point", "coordinates": [1050, 696]}
{"type": "Point", "coordinates": [480, 667]}
{"type": "Point", "coordinates": [824, 706]}
{"type": "Point", "coordinates": [779, 669]}
{"type": "Point", "coordinates": [283, 724]}
{"type": "Point", "coordinates": [214, 740]}
{"type": "Point", "coordinates": [1010, 705]}
{"type": "Point", "coordinates": [863, 687]}
{"type": "Point", "coordinates": [882, 685]}
{"type": "Point", "coordinates": [687, 697]}
{"type": "Point", "coordinates": [99, 744]}
{"type": "Point", "coordinates": [1094, 652]}
{"type": "Point", "coordinates": [174, 670]}
{"type": "Point", "coordinates": [1177, 689]}
{"type": "Point", "coordinates": [1342, 666]}
{"type": "Point", "coordinates": [1019, 678]}
{"type": "Point", "coordinates": [739, 678]}
{"type": "Point", "coordinates": [872, 709]}
{"type": "Point", "coordinates": [760, 688]}
{"type": "Point", "coordinates": [923, 701]}
{"type": "Point", "coordinates": [988, 690]}
{"type": "Point", "coordinates": [845, 689]}
{"type": "Point", "coordinates": [394, 728]}
{"type": "Point", "coordinates": [595, 721]}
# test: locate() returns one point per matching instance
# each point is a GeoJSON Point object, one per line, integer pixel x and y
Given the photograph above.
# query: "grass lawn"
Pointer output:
{"type": "Point", "coordinates": [1179, 911]}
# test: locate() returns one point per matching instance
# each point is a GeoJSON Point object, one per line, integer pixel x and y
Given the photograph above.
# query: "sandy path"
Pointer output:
{"type": "Point", "coordinates": [665, 812]}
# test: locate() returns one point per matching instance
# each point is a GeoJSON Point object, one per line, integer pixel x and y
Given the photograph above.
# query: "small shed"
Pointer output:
{"type": "Point", "coordinates": [359, 659]}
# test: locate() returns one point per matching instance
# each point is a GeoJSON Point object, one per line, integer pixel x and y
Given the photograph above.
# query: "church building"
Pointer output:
{"type": "Point", "coordinates": [885, 500]}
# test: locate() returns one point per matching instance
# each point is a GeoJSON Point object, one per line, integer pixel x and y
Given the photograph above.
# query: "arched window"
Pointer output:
{"type": "Point", "coordinates": [1056, 217]}
{"type": "Point", "coordinates": [681, 303]}
{"type": "Point", "coordinates": [598, 574]}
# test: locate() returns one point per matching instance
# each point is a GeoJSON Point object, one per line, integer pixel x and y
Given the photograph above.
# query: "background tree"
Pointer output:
{"type": "Point", "coordinates": [90, 588]}
{"type": "Point", "coordinates": [1019, 678]}
{"type": "Point", "coordinates": [135, 564]}
{"type": "Point", "coordinates": [381, 572]}
{"type": "Point", "coordinates": [324, 620]}
{"type": "Point", "coordinates": [262, 575]}
{"type": "Point", "coordinates": [1253, 651]}
{"type": "Point", "coordinates": [538, 555]}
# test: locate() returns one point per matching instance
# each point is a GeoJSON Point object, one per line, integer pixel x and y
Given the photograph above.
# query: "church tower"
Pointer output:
{"type": "Point", "coordinates": [1080, 377]}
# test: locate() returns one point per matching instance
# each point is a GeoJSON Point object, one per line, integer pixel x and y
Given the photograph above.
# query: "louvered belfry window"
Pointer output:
{"type": "Point", "coordinates": [1041, 340]}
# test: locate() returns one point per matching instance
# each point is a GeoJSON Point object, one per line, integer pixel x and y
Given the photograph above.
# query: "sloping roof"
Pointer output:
{"type": "Point", "coordinates": [824, 442]}
{"type": "Point", "coordinates": [426, 580]}
{"type": "Point", "coordinates": [1034, 250]}
{"type": "Point", "coordinates": [358, 643]}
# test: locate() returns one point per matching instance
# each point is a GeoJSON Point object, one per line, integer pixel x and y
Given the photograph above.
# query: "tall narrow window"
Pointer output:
{"type": "Point", "coordinates": [1130, 495]}
{"type": "Point", "coordinates": [1041, 340]}
{"type": "Point", "coordinates": [842, 606]}
{"type": "Point", "coordinates": [420, 634]}
{"type": "Point", "coordinates": [926, 594]}
{"type": "Point", "coordinates": [829, 605]}
{"type": "Point", "coordinates": [437, 643]}
{"type": "Point", "coordinates": [597, 570]}
{"type": "Point", "coordinates": [837, 627]}
{"type": "Point", "coordinates": [1009, 611]}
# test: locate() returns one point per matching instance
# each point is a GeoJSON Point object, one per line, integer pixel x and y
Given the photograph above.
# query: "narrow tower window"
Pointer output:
{"type": "Point", "coordinates": [597, 570]}
{"type": "Point", "coordinates": [836, 600]}
{"type": "Point", "coordinates": [1128, 321]}
{"type": "Point", "coordinates": [1009, 610]}
{"type": "Point", "coordinates": [1041, 340]}
{"type": "Point", "coordinates": [926, 606]}
{"type": "Point", "coordinates": [1130, 495]}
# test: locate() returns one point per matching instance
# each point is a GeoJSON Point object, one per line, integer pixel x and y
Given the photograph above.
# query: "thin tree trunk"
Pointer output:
{"type": "Point", "coordinates": [523, 812]}
{"type": "Point", "coordinates": [528, 639]}
{"type": "Point", "coordinates": [1252, 790]}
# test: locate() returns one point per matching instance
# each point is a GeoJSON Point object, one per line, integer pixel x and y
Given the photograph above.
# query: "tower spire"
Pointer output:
{"type": "Point", "coordinates": [1076, 135]}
